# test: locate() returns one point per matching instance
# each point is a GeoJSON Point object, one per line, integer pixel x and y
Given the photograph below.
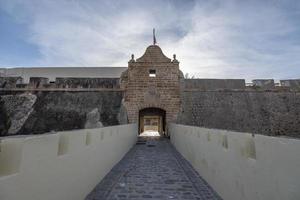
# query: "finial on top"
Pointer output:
{"type": "Point", "coordinates": [154, 38]}
{"type": "Point", "coordinates": [132, 58]}
{"type": "Point", "coordinates": [174, 59]}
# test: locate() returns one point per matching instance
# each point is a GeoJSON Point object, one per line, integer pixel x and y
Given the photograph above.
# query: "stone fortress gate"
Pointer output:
{"type": "Point", "coordinates": [151, 87]}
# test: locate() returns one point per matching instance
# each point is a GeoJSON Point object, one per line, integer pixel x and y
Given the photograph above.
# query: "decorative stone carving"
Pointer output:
{"type": "Point", "coordinates": [18, 109]}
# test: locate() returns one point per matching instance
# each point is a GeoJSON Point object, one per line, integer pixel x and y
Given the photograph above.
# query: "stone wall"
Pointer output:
{"type": "Point", "coordinates": [268, 113]}
{"type": "Point", "coordinates": [17, 109]}
{"type": "Point", "coordinates": [214, 84]}
{"type": "Point", "coordinates": [59, 111]}
{"type": "Point", "coordinates": [87, 83]}
{"type": "Point", "coordinates": [9, 82]}
{"type": "Point", "coordinates": [53, 72]}
{"type": "Point", "coordinates": [38, 82]}
{"type": "Point", "coordinates": [293, 83]}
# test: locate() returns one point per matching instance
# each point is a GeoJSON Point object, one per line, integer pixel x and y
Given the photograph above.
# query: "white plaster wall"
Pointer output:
{"type": "Point", "coordinates": [239, 166]}
{"type": "Point", "coordinates": [62, 166]}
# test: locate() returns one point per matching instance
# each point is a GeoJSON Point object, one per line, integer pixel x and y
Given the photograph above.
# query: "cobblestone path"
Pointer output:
{"type": "Point", "coordinates": [152, 170]}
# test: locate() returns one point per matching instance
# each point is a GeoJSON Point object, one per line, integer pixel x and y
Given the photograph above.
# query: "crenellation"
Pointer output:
{"type": "Point", "coordinates": [164, 76]}
{"type": "Point", "coordinates": [38, 82]}
{"type": "Point", "coordinates": [264, 83]}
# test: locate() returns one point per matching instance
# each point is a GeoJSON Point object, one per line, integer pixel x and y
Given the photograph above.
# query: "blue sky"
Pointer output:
{"type": "Point", "coordinates": [212, 39]}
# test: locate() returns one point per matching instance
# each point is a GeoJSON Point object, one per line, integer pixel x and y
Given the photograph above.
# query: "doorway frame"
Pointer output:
{"type": "Point", "coordinates": [152, 111]}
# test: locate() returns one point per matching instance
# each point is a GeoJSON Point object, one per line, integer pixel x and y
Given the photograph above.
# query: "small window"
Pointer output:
{"type": "Point", "coordinates": [152, 73]}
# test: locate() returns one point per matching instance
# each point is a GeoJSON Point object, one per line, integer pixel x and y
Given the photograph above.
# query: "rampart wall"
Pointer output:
{"type": "Point", "coordinates": [240, 166]}
{"type": "Point", "coordinates": [262, 107]}
{"type": "Point", "coordinates": [211, 84]}
{"type": "Point", "coordinates": [43, 111]}
{"type": "Point", "coordinates": [11, 83]}
{"type": "Point", "coordinates": [262, 112]}
{"type": "Point", "coordinates": [64, 165]}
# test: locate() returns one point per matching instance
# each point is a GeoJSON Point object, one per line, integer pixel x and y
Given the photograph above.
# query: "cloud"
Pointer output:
{"type": "Point", "coordinates": [212, 39]}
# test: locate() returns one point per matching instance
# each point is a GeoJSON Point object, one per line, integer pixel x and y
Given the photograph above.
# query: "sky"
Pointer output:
{"type": "Point", "coordinates": [248, 39]}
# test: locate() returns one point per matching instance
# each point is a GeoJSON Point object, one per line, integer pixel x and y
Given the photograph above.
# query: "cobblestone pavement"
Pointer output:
{"type": "Point", "coordinates": [153, 170]}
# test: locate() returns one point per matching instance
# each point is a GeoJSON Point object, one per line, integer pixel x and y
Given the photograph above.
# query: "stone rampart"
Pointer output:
{"type": "Point", "coordinates": [293, 83]}
{"type": "Point", "coordinates": [87, 83]}
{"type": "Point", "coordinates": [10, 82]}
{"type": "Point", "coordinates": [240, 84]}
{"type": "Point", "coordinates": [58, 111]}
{"type": "Point", "coordinates": [38, 82]}
{"type": "Point", "coordinates": [83, 83]}
{"type": "Point", "coordinates": [60, 83]}
{"type": "Point", "coordinates": [214, 84]}
{"type": "Point", "coordinates": [261, 112]}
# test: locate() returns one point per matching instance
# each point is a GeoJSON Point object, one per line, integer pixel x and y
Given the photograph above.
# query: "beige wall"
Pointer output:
{"type": "Point", "coordinates": [239, 166]}
{"type": "Point", "coordinates": [62, 166]}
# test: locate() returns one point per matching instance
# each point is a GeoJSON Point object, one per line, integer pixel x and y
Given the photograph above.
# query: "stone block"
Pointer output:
{"type": "Point", "coordinates": [38, 82]}
{"type": "Point", "coordinates": [264, 83]}
{"type": "Point", "coordinates": [10, 82]}
{"type": "Point", "coordinates": [214, 84]}
{"type": "Point", "coordinates": [291, 83]}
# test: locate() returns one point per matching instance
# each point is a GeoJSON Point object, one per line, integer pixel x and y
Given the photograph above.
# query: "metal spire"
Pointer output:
{"type": "Point", "coordinates": [154, 38]}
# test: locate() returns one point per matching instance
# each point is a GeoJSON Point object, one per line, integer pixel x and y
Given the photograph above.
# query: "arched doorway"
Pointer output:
{"type": "Point", "coordinates": [152, 119]}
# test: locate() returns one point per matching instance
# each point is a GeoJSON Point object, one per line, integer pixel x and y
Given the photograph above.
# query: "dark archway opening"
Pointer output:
{"type": "Point", "coordinates": [152, 119]}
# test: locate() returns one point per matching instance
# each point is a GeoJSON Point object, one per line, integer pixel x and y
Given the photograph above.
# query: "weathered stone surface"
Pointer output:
{"type": "Point", "coordinates": [53, 72]}
{"type": "Point", "coordinates": [153, 54]}
{"type": "Point", "coordinates": [38, 82]}
{"type": "Point", "coordinates": [292, 83]}
{"type": "Point", "coordinates": [92, 119]}
{"type": "Point", "coordinates": [63, 111]}
{"type": "Point", "coordinates": [214, 84]}
{"type": "Point", "coordinates": [264, 83]}
{"type": "Point", "coordinates": [18, 109]}
{"type": "Point", "coordinates": [87, 82]}
{"type": "Point", "coordinates": [269, 113]}
{"type": "Point", "coordinates": [4, 119]}
{"type": "Point", "coordinates": [122, 116]}
{"type": "Point", "coordinates": [10, 82]}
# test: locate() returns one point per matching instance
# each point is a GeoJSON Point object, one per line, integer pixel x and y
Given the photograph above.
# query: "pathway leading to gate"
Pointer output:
{"type": "Point", "coordinates": [153, 169]}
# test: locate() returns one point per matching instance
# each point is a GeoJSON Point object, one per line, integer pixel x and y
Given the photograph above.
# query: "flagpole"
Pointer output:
{"type": "Point", "coordinates": [154, 38]}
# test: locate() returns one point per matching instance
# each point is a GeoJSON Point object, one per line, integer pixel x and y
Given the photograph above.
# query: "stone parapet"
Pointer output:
{"type": "Point", "coordinates": [10, 82]}
{"type": "Point", "coordinates": [38, 82]}
{"type": "Point", "coordinates": [264, 83]}
{"type": "Point", "coordinates": [291, 83]}
{"type": "Point", "coordinates": [214, 84]}
{"type": "Point", "coordinates": [87, 83]}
